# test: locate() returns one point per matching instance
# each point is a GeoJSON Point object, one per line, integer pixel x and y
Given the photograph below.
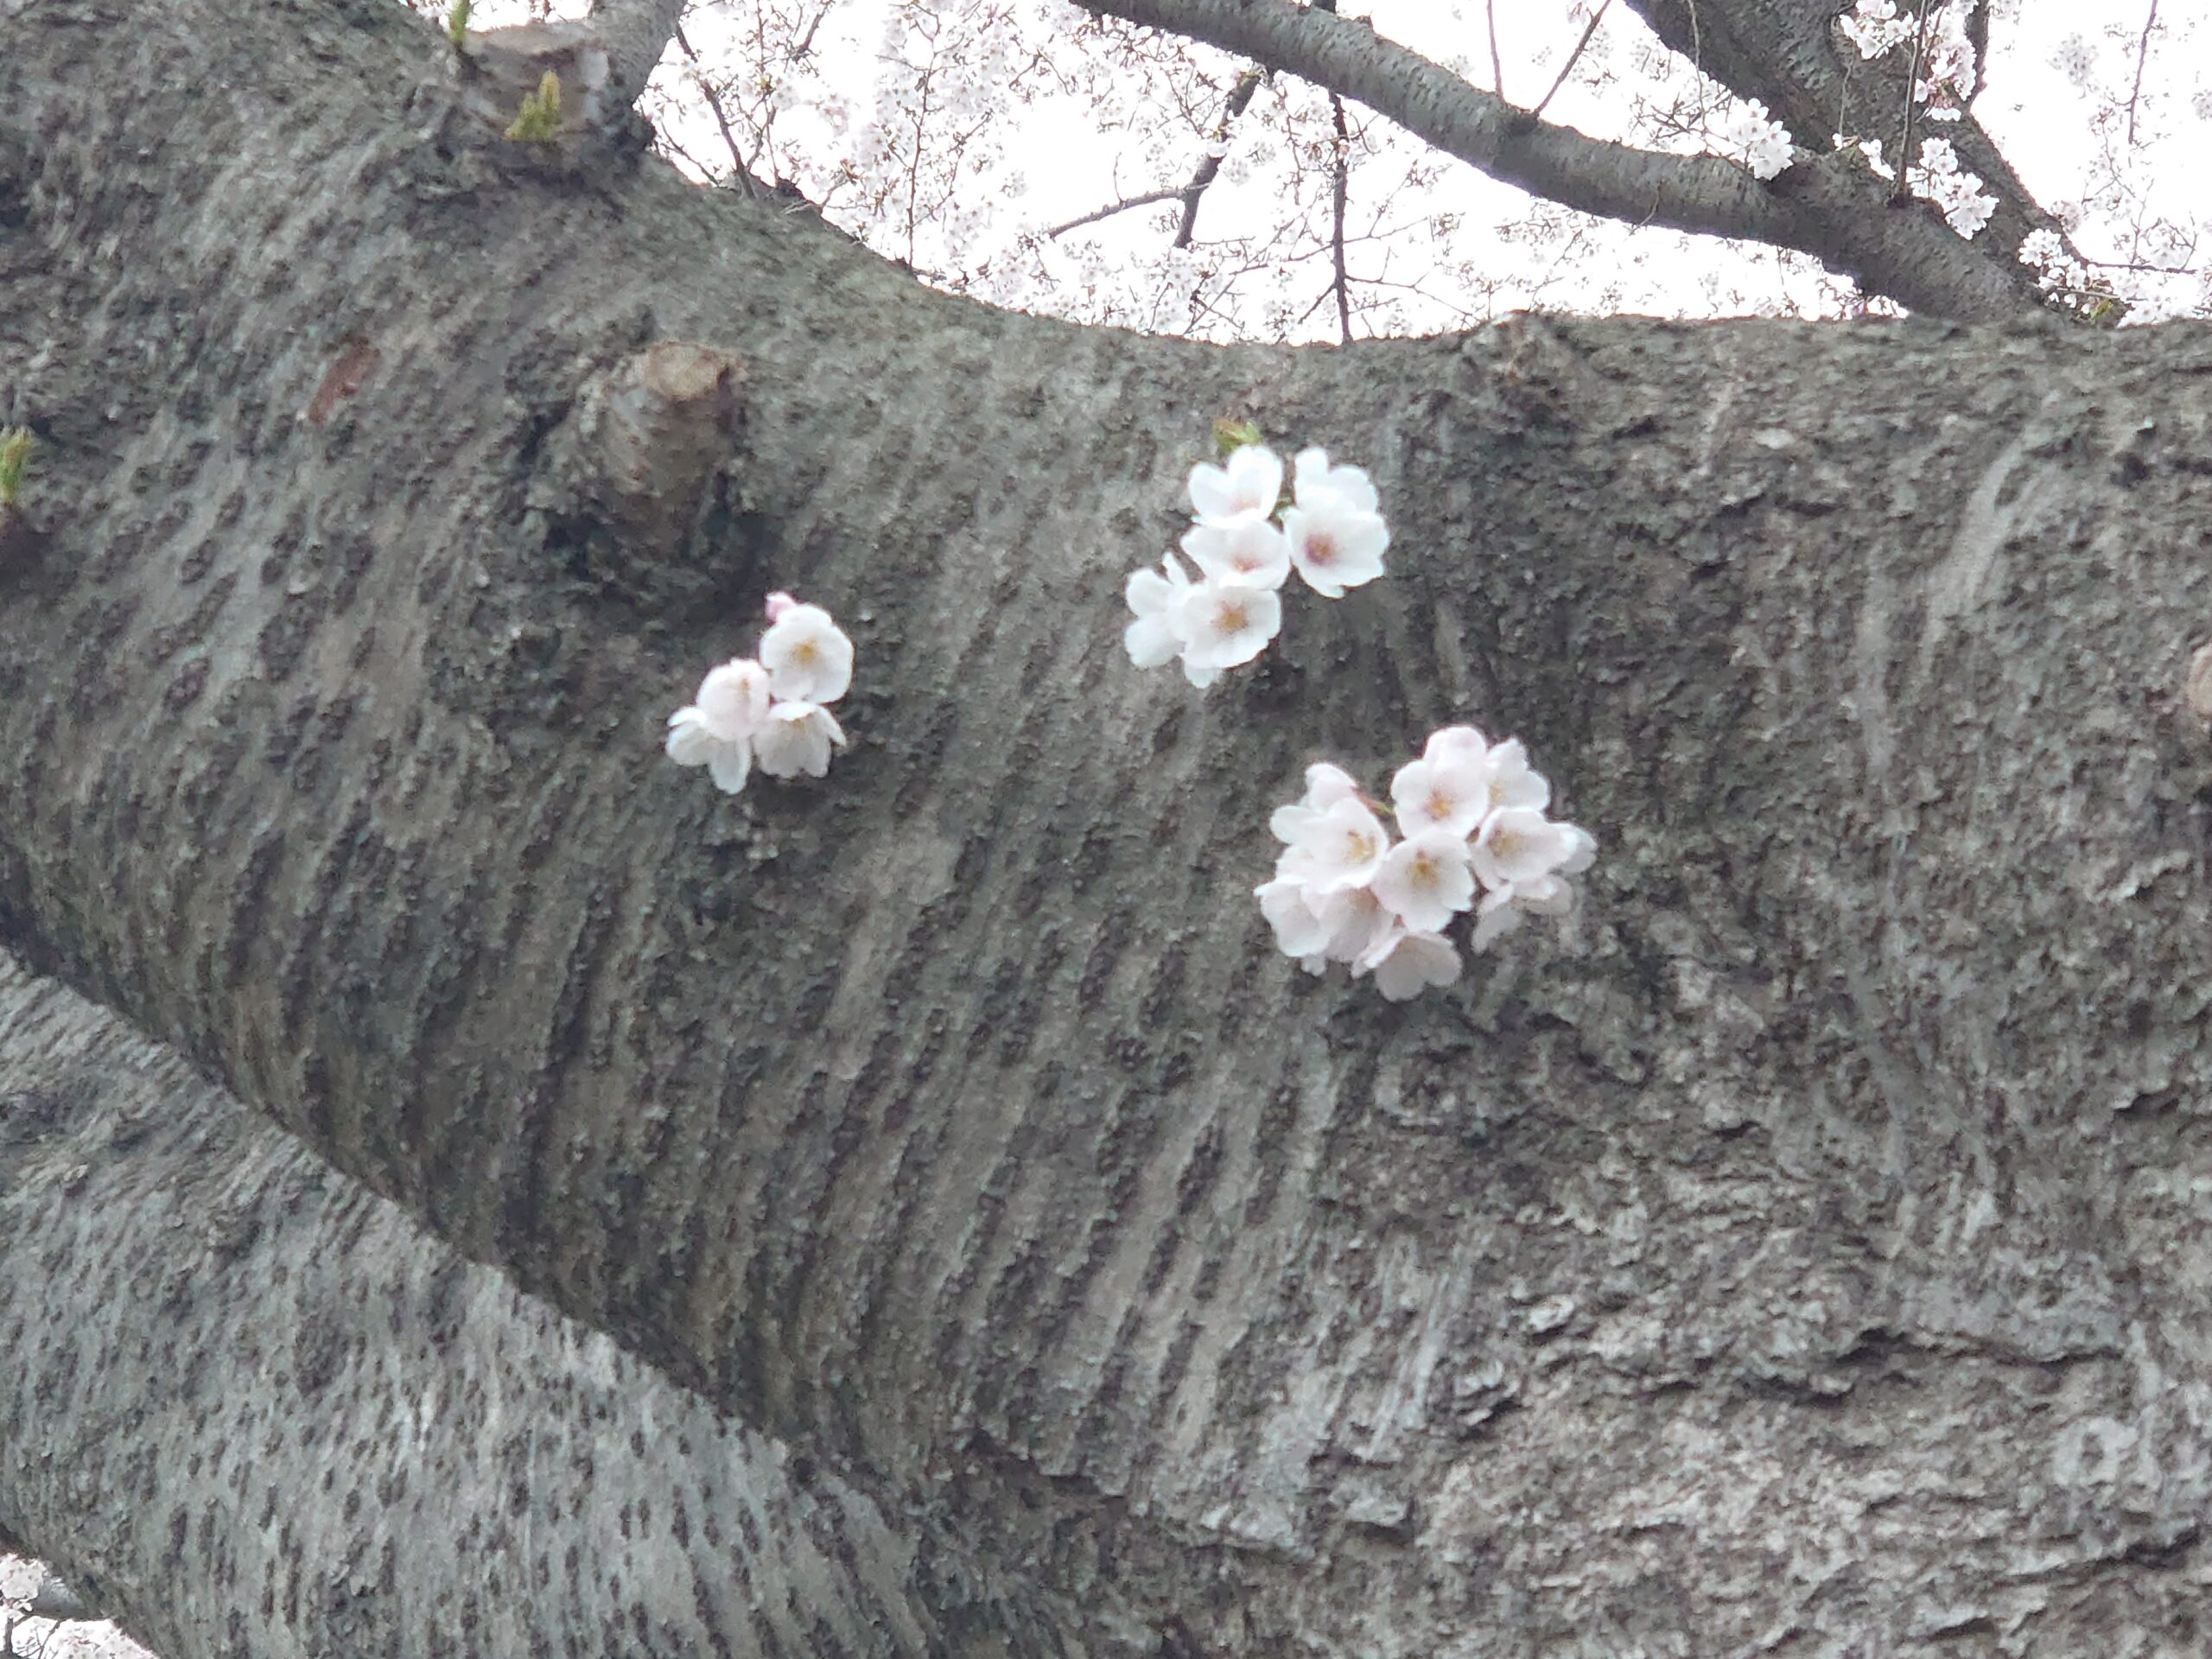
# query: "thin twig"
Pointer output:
{"type": "Point", "coordinates": [1575, 56]}
{"type": "Point", "coordinates": [745, 181]}
{"type": "Point", "coordinates": [1240, 98]}
{"type": "Point", "coordinates": [1174, 192]}
{"type": "Point", "coordinates": [1496, 63]}
{"type": "Point", "coordinates": [1340, 187]}
{"type": "Point", "coordinates": [676, 149]}
{"type": "Point", "coordinates": [806, 40]}
{"type": "Point", "coordinates": [1911, 96]}
{"type": "Point", "coordinates": [2142, 52]}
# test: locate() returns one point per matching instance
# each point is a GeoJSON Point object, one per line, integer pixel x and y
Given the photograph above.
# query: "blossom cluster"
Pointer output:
{"type": "Point", "coordinates": [2058, 271]}
{"type": "Point", "coordinates": [769, 709]}
{"type": "Point", "coordinates": [1878, 28]}
{"type": "Point", "coordinates": [1245, 543]}
{"type": "Point", "coordinates": [1476, 838]}
{"type": "Point", "coordinates": [1870, 151]}
{"type": "Point", "coordinates": [1757, 140]}
{"type": "Point", "coordinates": [1940, 179]}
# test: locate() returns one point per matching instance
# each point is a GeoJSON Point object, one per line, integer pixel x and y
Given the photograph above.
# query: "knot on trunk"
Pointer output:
{"type": "Point", "coordinates": [645, 439]}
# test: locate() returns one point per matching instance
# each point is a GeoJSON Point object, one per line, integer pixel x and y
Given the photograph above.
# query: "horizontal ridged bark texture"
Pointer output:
{"type": "Point", "coordinates": [1797, 1252]}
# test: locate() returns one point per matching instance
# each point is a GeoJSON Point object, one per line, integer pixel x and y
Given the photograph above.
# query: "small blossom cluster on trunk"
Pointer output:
{"type": "Point", "coordinates": [1245, 543]}
{"type": "Point", "coordinates": [769, 710]}
{"type": "Point", "coordinates": [1475, 839]}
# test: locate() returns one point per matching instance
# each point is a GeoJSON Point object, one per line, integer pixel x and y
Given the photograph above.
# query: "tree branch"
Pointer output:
{"type": "Point", "coordinates": [132, 1182]}
{"type": "Point", "coordinates": [1240, 98]}
{"type": "Point", "coordinates": [1174, 192]}
{"type": "Point", "coordinates": [2142, 56]}
{"type": "Point", "coordinates": [635, 32]}
{"type": "Point", "coordinates": [1824, 206]}
{"type": "Point", "coordinates": [1340, 194]}
{"type": "Point", "coordinates": [1785, 56]}
{"type": "Point", "coordinates": [739, 164]}
{"type": "Point", "coordinates": [1574, 57]}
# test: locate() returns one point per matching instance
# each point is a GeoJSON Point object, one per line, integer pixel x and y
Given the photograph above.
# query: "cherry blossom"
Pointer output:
{"type": "Point", "coordinates": [1342, 848]}
{"type": "Point", "coordinates": [1248, 485]}
{"type": "Point", "coordinates": [1155, 597]}
{"type": "Point", "coordinates": [768, 710]}
{"type": "Point", "coordinates": [1508, 780]}
{"type": "Point", "coordinates": [1313, 477]}
{"type": "Point", "coordinates": [1246, 552]}
{"type": "Point", "coordinates": [1940, 179]}
{"type": "Point", "coordinates": [1325, 786]}
{"type": "Point", "coordinates": [1451, 792]}
{"type": "Point", "coordinates": [1455, 742]}
{"type": "Point", "coordinates": [1757, 140]}
{"type": "Point", "coordinates": [808, 656]}
{"type": "Point", "coordinates": [1424, 880]}
{"type": "Point", "coordinates": [1332, 535]}
{"type": "Point", "coordinates": [1301, 928]}
{"type": "Point", "coordinates": [1225, 624]}
{"type": "Point", "coordinates": [716, 730]}
{"type": "Point", "coordinates": [1476, 838]}
{"type": "Point", "coordinates": [1406, 963]}
{"type": "Point", "coordinates": [797, 738]}
{"type": "Point", "coordinates": [1518, 844]}
{"type": "Point", "coordinates": [1334, 545]}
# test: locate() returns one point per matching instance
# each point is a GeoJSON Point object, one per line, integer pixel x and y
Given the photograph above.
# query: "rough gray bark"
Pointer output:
{"type": "Point", "coordinates": [1826, 205]}
{"type": "Point", "coordinates": [344, 1439]}
{"type": "Point", "coordinates": [1798, 1253]}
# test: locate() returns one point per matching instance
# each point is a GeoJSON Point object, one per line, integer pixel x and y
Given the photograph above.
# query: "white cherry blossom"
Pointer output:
{"type": "Point", "coordinates": [1155, 597]}
{"type": "Point", "coordinates": [1224, 625]}
{"type": "Point", "coordinates": [1500, 911]}
{"type": "Point", "coordinates": [1547, 895]}
{"type": "Point", "coordinates": [1248, 484]}
{"type": "Point", "coordinates": [1245, 552]}
{"type": "Point", "coordinates": [1424, 880]}
{"type": "Point", "coordinates": [1325, 786]}
{"type": "Point", "coordinates": [1958, 194]}
{"type": "Point", "coordinates": [797, 738]}
{"type": "Point", "coordinates": [1455, 742]}
{"type": "Point", "coordinates": [1508, 780]}
{"type": "Point", "coordinates": [1756, 139]}
{"type": "Point", "coordinates": [1322, 928]}
{"type": "Point", "coordinates": [1334, 545]}
{"type": "Point", "coordinates": [808, 656]}
{"type": "Point", "coordinates": [716, 730]}
{"type": "Point", "coordinates": [1342, 848]}
{"type": "Point", "coordinates": [1476, 839]}
{"type": "Point", "coordinates": [1451, 793]}
{"type": "Point", "coordinates": [1358, 919]}
{"type": "Point", "coordinates": [1312, 478]}
{"type": "Point", "coordinates": [1300, 929]}
{"type": "Point", "coordinates": [1243, 537]}
{"type": "Point", "coordinates": [733, 699]}
{"type": "Point", "coordinates": [1406, 962]}
{"type": "Point", "coordinates": [1518, 844]}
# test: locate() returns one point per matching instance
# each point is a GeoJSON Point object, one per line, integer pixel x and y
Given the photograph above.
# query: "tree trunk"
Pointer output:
{"type": "Point", "coordinates": [1796, 1252]}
